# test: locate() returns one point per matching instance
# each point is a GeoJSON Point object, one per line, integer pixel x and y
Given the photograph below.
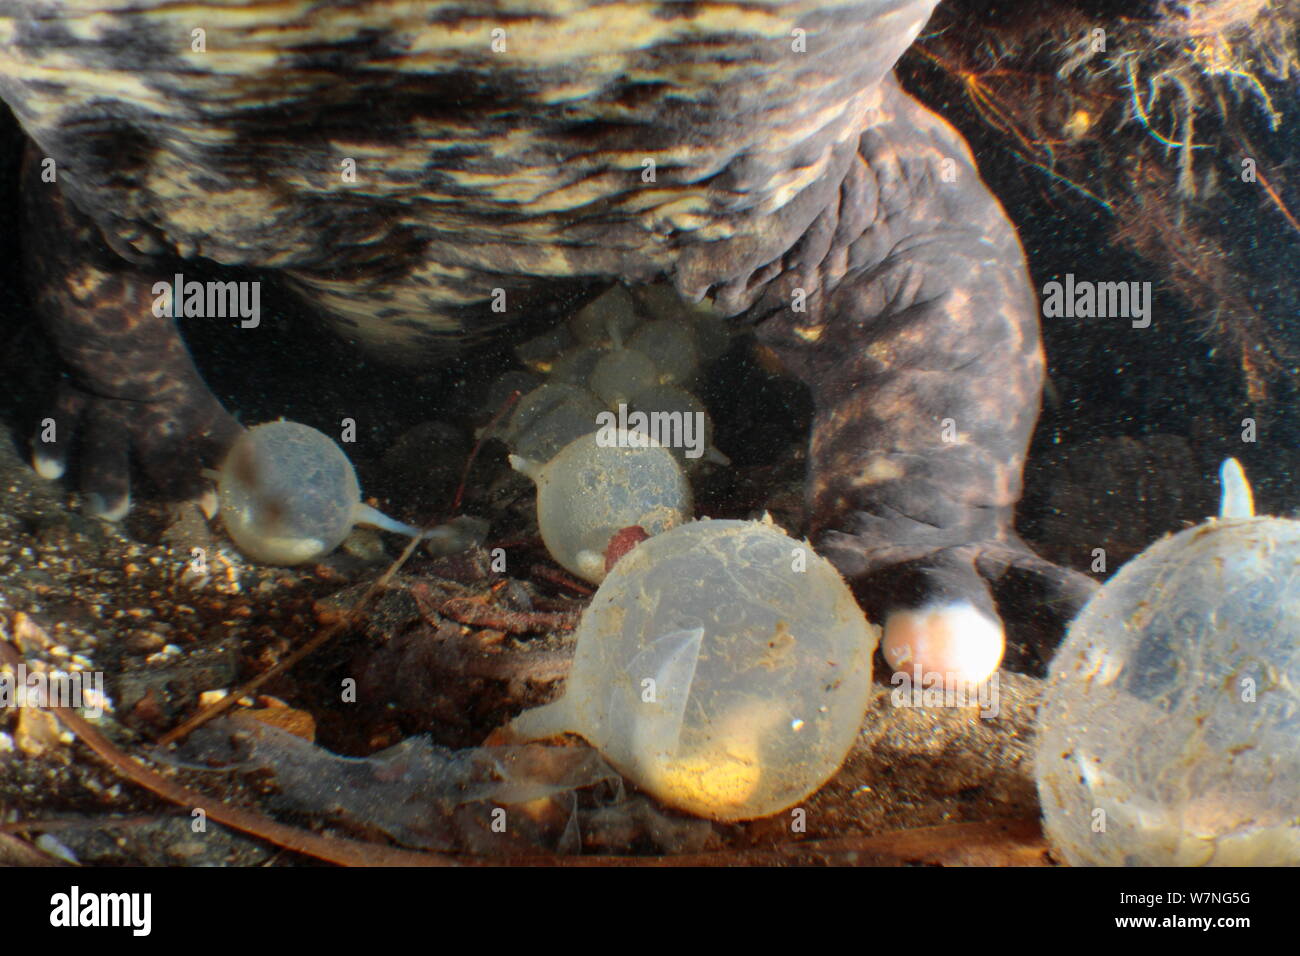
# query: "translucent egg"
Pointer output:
{"type": "Point", "coordinates": [722, 666]}
{"type": "Point", "coordinates": [548, 418]}
{"type": "Point", "coordinates": [661, 301]}
{"type": "Point", "coordinates": [712, 336]}
{"type": "Point", "coordinates": [576, 365]}
{"type": "Point", "coordinates": [597, 486]}
{"type": "Point", "coordinates": [621, 374]}
{"type": "Point", "coordinates": [671, 345]}
{"type": "Point", "coordinates": [1169, 733]}
{"type": "Point", "coordinates": [607, 321]}
{"type": "Point", "coordinates": [540, 353]}
{"type": "Point", "coordinates": [685, 419]}
{"type": "Point", "coordinates": [288, 493]}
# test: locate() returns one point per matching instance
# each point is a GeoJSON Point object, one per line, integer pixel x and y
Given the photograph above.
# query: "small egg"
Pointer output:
{"type": "Point", "coordinates": [540, 353]}
{"type": "Point", "coordinates": [685, 419]}
{"type": "Point", "coordinates": [621, 374]}
{"type": "Point", "coordinates": [288, 493]}
{"type": "Point", "coordinates": [548, 418]}
{"type": "Point", "coordinates": [607, 321]}
{"type": "Point", "coordinates": [576, 365]}
{"type": "Point", "coordinates": [672, 347]}
{"type": "Point", "coordinates": [591, 491]}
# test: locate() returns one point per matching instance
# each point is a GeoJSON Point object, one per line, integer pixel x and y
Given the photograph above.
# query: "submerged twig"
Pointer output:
{"type": "Point", "coordinates": [349, 619]}
{"type": "Point", "coordinates": [331, 849]}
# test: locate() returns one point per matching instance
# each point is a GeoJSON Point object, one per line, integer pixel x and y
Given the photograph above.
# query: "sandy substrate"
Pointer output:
{"type": "Point", "coordinates": [447, 649]}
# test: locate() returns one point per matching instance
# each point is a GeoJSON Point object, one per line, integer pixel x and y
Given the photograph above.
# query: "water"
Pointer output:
{"type": "Point", "coordinates": [1135, 421]}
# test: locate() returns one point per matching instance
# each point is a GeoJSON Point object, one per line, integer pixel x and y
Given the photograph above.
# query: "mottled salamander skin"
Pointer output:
{"type": "Point", "coordinates": [789, 167]}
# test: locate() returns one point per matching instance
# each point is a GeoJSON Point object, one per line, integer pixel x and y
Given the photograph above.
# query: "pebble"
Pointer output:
{"type": "Point", "coordinates": [54, 848]}
{"type": "Point", "coordinates": [169, 653]}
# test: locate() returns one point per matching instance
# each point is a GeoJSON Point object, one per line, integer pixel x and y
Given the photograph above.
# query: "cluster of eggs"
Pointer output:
{"type": "Point", "coordinates": [722, 666]}
{"type": "Point", "coordinates": [612, 434]}
{"type": "Point", "coordinates": [289, 495]}
{"type": "Point", "coordinates": [640, 350]}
